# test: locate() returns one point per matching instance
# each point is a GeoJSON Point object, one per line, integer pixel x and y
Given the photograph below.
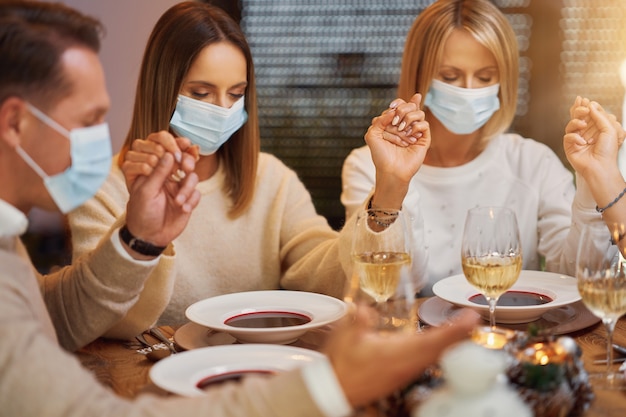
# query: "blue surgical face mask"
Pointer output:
{"type": "Point", "coordinates": [205, 124]}
{"type": "Point", "coordinates": [462, 110]}
{"type": "Point", "coordinates": [90, 149]}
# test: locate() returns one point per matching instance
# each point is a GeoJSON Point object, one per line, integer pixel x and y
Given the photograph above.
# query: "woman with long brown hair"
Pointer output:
{"type": "Point", "coordinates": [255, 227]}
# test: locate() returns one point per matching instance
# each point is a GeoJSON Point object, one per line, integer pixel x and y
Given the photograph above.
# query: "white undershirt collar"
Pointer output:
{"type": "Point", "coordinates": [12, 221]}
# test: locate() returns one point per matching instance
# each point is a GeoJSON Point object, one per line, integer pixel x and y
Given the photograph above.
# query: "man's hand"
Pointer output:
{"type": "Point", "coordinates": [369, 366]}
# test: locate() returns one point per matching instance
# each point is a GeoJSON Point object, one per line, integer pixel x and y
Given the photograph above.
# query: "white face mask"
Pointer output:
{"type": "Point", "coordinates": [462, 110]}
{"type": "Point", "coordinates": [205, 124]}
{"type": "Point", "coordinates": [90, 149]}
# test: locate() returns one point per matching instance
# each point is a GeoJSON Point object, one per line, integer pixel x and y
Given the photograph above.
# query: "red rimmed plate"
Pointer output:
{"type": "Point", "coordinates": [561, 290]}
{"type": "Point", "coordinates": [188, 373]}
{"type": "Point", "coordinates": [561, 320]}
{"type": "Point", "coordinates": [279, 317]}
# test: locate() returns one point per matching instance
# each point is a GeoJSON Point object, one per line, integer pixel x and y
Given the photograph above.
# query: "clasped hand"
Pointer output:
{"type": "Point", "coordinates": [399, 138]}
{"type": "Point", "coordinates": [160, 204]}
{"type": "Point", "coordinates": [592, 137]}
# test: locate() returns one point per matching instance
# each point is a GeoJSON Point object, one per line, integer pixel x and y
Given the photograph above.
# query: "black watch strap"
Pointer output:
{"type": "Point", "coordinates": [139, 245]}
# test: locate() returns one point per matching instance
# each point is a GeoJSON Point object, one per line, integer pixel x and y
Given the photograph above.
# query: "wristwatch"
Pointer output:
{"type": "Point", "coordinates": [139, 245]}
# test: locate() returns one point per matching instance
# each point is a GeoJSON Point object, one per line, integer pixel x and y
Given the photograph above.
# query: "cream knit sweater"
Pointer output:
{"type": "Point", "coordinates": [280, 242]}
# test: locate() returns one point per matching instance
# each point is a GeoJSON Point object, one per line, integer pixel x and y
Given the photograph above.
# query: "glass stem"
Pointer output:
{"type": "Point", "coordinates": [492, 311]}
{"type": "Point", "coordinates": [609, 325]}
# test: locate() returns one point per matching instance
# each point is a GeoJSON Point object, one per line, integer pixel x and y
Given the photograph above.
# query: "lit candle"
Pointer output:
{"type": "Point", "coordinates": [543, 365]}
{"type": "Point", "coordinates": [544, 354]}
{"type": "Point", "coordinates": [491, 338]}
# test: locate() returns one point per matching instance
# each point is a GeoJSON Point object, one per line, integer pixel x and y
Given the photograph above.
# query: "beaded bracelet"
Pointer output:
{"type": "Point", "coordinates": [608, 206]}
{"type": "Point", "coordinates": [384, 224]}
{"type": "Point", "coordinates": [386, 221]}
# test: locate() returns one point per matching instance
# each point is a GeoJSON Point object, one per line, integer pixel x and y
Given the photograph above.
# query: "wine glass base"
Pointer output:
{"type": "Point", "coordinates": [615, 381]}
{"type": "Point", "coordinates": [392, 325]}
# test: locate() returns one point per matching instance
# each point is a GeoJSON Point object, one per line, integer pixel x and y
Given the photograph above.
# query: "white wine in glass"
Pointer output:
{"type": "Point", "coordinates": [381, 260]}
{"type": "Point", "coordinates": [379, 272]}
{"type": "Point", "coordinates": [601, 275]}
{"type": "Point", "coordinates": [491, 253]}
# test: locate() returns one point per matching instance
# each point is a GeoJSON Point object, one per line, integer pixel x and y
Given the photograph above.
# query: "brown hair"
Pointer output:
{"type": "Point", "coordinates": [488, 25]}
{"type": "Point", "coordinates": [33, 36]}
{"type": "Point", "coordinates": [177, 38]}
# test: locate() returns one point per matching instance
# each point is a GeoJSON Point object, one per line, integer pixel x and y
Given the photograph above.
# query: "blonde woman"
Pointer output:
{"type": "Point", "coordinates": [462, 56]}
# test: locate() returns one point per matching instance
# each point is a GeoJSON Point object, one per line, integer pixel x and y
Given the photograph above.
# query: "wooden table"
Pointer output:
{"type": "Point", "coordinates": [593, 343]}
{"type": "Point", "coordinates": [120, 367]}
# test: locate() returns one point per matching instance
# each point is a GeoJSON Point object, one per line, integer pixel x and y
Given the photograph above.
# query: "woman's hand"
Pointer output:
{"type": "Point", "coordinates": [398, 140]}
{"type": "Point", "coordinates": [144, 154]}
{"type": "Point", "coordinates": [592, 138]}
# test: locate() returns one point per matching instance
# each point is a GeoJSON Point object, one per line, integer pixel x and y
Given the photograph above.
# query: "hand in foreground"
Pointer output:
{"type": "Point", "coordinates": [369, 366]}
{"type": "Point", "coordinates": [592, 137]}
{"type": "Point", "coordinates": [398, 140]}
{"type": "Point", "coordinates": [159, 206]}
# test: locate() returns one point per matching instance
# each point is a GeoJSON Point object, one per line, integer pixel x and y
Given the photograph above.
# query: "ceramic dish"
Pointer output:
{"type": "Point", "coordinates": [561, 320]}
{"type": "Point", "coordinates": [186, 373]}
{"type": "Point", "coordinates": [273, 316]}
{"type": "Point", "coordinates": [557, 290]}
{"type": "Point", "coordinates": [193, 336]}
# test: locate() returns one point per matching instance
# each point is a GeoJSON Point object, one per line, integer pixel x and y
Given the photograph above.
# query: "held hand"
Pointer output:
{"type": "Point", "coordinates": [406, 126]}
{"type": "Point", "coordinates": [144, 154]}
{"type": "Point", "coordinates": [369, 366]}
{"type": "Point", "coordinates": [592, 137]}
{"type": "Point", "coordinates": [398, 140]}
{"type": "Point", "coordinates": [159, 207]}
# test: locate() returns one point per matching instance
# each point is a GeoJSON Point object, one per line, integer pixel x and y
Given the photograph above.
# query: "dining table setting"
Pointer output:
{"type": "Point", "coordinates": [550, 344]}
{"type": "Point", "coordinates": [203, 353]}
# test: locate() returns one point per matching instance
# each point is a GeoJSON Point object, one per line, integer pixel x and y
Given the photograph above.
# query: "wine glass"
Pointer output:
{"type": "Point", "coordinates": [491, 253]}
{"type": "Point", "coordinates": [601, 275]}
{"type": "Point", "coordinates": [381, 268]}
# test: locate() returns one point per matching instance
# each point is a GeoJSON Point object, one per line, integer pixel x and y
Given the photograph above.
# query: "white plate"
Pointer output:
{"type": "Point", "coordinates": [185, 372]}
{"type": "Point", "coordinates": [562, 289]}
{"type": "Point", "coordinates": [561, 320]}
{"type": "Point", "coordinates": [193, 336]}
{"type": "Point", "coordinates": [215, 312]}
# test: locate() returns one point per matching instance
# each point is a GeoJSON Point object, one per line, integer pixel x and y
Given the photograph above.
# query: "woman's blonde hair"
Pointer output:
{"type": "Point", "coordinates": [488, 25]}
{"type": "Point", "coordinates": [177, 38]}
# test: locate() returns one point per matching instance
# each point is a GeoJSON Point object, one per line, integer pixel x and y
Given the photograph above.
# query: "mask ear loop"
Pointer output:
{"type": "Point", "coordinates": [52, 124]}
{"type": "Point", "coordinates": [47, 120]}
{"type": "Point", "coordinates": [30, 162]}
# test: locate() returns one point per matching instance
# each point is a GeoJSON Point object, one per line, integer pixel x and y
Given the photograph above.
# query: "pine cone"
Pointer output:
{"type": "Point", "coordinates": [567, 393]}
{"type": "Point", "coordinates": [554, 403]}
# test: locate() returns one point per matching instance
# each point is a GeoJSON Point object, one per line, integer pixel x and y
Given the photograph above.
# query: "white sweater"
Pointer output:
{"type": "Point", "coordinates": [512, 171]}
